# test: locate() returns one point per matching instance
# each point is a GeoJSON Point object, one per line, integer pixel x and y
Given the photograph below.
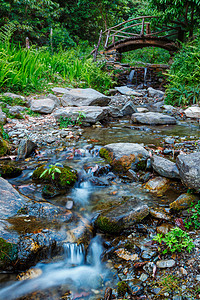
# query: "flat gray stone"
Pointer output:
{"type": "Point", "coordinates": [43, 106]}
{"type": "Point", "coordinates": [189, 169]}
{"type": "Point", "coordinates": [155, 93]}
{"type": "Point", "coordinates": [162, 264]}
{"type": "Point", "coordinates": [164, 167]}
{"type": "Point", "coordinates": [84, 97]}
{"type": "Point", "coordinates": [120, 149]}
{"type": "Point", "coordinates": [14, 96]}
{"type": "Point", "coordinates": [193, 112]}
{"type": "Point", "coordinates": [60, 90]}
{"type": "Point", "coordinates": [153, 118]}
{"type": "Point", "coordinates": [124, 90]}
{"type": "Point", "coordinates": [93, 113]}
{"type": "Point", "coordinates": [26, 147]}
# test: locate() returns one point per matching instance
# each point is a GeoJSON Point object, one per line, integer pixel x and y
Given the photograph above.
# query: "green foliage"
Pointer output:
{"type": "Point", "coordinates": [184, 75]}
{"type": "Point", "coordinates": [147, 55]}
{"type": "Point", "coordinates": [4, 134]}
{"type": "Point", "coordinates": [182, 13]}
{"type": "Point", "coordinates": [194, 219]}
{"type": "Point", "coordinates": [175, 240]}
{"type": "Point", "coordinates": [122, 288]}
{"type": "Point", "coordinates": [52, 170]}
{"type": "Point", "coordinates": [167, 283]}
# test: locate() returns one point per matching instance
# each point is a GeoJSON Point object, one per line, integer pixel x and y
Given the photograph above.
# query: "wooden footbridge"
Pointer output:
{"type": "Point", "coordinates": [136, 33]}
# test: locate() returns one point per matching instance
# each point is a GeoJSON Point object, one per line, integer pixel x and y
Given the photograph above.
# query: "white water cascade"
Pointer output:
{"type": "Point", "coordinates": [84, 274]}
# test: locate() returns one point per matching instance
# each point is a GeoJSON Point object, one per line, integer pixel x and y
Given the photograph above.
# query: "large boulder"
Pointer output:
{"type": "Point", "coordinates": [193, 112]}
{"type": "Point", "coordinates": [153, 118]}
{"type": "Point", "coordinates": [122, 217]}
{"type": "Point", "coordinates": [125, 156]}
{"type": "Point", "coordinates": [43, 106]}
{"type": "Point", "coordinates": [164, 167]}
{"type": "Point", "coordinates": [84, 97]}
{"type": "Point", "coordinates": [92, 114]}
{"type": "Point", "coordinates": [189, 169]}
{"type": "Point", "coordinates": [155, 93]}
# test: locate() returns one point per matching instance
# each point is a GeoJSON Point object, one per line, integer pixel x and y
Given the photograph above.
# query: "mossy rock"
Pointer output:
{"type": "Point", "coordinates": [64, 179]}
{"type": "Point", "coordinates": [125, 162]}
{"type": "Point", "coordinates": [8, 252]}
{"type": "Point", "coordinates": [108, 225]}
{"type": "Point", "coordinates": [8, 171]}
{"type": "Point", "coordinates": [184, 201]}
{"type": "Point", "coordinates": [122, 288]}
{"type": "Point", "coordinates": [4, 147]}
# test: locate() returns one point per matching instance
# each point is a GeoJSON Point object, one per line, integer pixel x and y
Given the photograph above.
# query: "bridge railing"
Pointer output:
{"type": "Point", "coordinates": [120, 31]}
{"type": "Point", "coordinates": [123, 31]}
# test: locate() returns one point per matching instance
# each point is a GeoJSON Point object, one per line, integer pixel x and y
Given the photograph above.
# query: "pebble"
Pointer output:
{"type": "Point", "coordinates": [162, 264]}
{"type": "Point", "coordinates": [143, 277]}
{"type": "Point", "coordinates": [198, 277]}
{"type": "Point", "coordinates": [183, 271]}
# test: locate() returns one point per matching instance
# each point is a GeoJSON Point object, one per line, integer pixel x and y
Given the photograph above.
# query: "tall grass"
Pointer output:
{"type": "Point", "coordinates": [32, 69]}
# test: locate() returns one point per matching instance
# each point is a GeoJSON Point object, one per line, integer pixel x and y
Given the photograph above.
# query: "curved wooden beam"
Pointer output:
{"type": "Point", "coordinates": [142, 42]}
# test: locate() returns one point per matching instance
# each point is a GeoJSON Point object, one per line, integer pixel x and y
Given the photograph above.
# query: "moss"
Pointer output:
{"type": "Point", "coordinates": [66, 178]}
{"type": "Point", "coordinates": [107, 155]}
{"type": "Point", "coordinates": [122, 288]}
{"type": "Point", "coordinates": [4, 147]}
{"type": "Point", "coordinates": [8, 171]}
{"type": "Point", "coordinates": [107, 225]}
{"type": "Point", "coordinates": [8, 251]}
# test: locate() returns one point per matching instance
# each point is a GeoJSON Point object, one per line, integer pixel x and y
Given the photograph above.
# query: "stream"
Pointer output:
{"type": "Point", "coordinates": [79, 272]}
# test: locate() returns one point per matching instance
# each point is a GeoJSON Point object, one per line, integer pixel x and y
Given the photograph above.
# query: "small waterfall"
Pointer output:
{"type": "Point", "coordinates": [74, 254]}
{"type": "Point", "coordinates": [145, 76]}
{"type": "Point", "coordinates": [87, 276]}
{"type": "Point", "coordinates": [130, 77]}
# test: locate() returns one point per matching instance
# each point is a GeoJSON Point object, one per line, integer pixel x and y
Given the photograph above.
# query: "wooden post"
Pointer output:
{"type": "Point", "coordinates": [27, 43]}
{"type": "Point", "coordinates": [107, 38]}
{"type": "Point", "coordinates": [142, 30]}
{"type": "Point", "coordinates": [97, 48]}
{"type": "Point", "coordinates": [148, 29]}
{"type": "Point", "coordinates": [113, 39]}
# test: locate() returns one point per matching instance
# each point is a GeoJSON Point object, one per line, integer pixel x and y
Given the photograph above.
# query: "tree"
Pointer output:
{"type": "Point", "coordinates": [183, 13]}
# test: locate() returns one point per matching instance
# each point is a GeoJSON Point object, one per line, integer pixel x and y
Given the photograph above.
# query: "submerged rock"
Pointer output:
{"type": "Point", "coordinates": [189, 169]}
{"type": "Point", "coordinates": [123, 217]}
{"type": "Point", "coordinates": [153, 118]}
{"type": "Point", "coordinates": [164, 167]}
{"type": "Point", "coordinates": [26, 147]}
{"type": "Point", "coordinates": [157, 185]}
{"type": "Point", "coordinates": [125, 156]}
{"type": "Point", "coordinates": [159, 213]}
{"type": "Point", "coordinates": [184, 201]}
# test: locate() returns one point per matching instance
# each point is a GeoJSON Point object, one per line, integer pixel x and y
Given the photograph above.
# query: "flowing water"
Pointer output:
{"type": "Point", "coordinates": [80, 270]}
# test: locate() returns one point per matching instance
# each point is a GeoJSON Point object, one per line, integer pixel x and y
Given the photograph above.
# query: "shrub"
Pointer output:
{"type": "Point", "coordinates": [184, 75]}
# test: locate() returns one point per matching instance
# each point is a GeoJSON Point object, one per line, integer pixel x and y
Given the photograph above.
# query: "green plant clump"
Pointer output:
{"type": "Point", "coordinates": [65, 121]}
{"type": "Point", "coordinates": [61, 177]}
{"type": "Point", "coordinates": [194, 219]}
{"type": "Point", "coordinates": [175, 240]}
{"type": "Point", "coordinates": [8, 251]}
{"type": "Point", "coordinates": [122, 288]}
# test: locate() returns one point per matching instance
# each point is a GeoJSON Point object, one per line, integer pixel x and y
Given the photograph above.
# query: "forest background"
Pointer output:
{"type": "Point", "coordinates": [75, 26]}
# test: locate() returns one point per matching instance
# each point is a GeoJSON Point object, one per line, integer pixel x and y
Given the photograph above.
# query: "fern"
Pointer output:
{"type": "Point", "coordinates": [6, 33]}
